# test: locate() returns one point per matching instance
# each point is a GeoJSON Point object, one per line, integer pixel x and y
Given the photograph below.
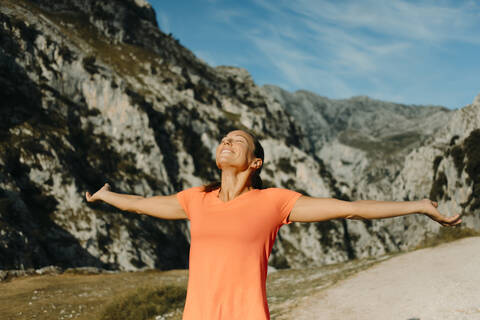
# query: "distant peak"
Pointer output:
{"type": "Point", "coordinates": [236, 72]}
{"type": "Point", "coordinates": [476, 101]}
{"type": "Point", "coordinates": [143, 3]}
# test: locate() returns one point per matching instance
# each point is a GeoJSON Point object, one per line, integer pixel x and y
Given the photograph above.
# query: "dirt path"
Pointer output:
{"type": "Point", "coordinates": [442, 282]}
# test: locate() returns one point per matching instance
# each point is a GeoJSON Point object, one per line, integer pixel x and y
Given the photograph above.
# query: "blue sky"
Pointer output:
{"type": "Point", "coordinates": [413, 52]}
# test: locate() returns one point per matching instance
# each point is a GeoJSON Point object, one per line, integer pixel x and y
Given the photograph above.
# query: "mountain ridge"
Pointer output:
{"type": "Point", "coordinates": [83, 106]}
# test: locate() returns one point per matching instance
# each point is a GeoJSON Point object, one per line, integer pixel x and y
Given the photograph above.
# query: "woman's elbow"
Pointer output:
{"type": "Point", "coordinates": [354, 217]}
{"type": "Point", "coordinates": [352, 212]}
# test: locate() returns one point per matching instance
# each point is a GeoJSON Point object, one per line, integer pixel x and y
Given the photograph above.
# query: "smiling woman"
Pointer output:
{"type": "Point", "coordinates": [234, 223]}
{"type": "Point", "coordinates": [241, 137]}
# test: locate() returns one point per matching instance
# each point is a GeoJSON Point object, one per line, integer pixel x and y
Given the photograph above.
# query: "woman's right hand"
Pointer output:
{"type": "Point", "coordinates": [430, 210]}
{"type": "Point", "coordinates": [97, 195]}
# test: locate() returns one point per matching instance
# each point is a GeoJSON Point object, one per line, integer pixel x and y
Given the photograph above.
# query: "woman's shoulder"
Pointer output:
{"type": "Point", "coordinates": [275, 189]}
{"type": "Point", "coordinates": [198, 188]}
{"type": "Point", "coordinates": [192, 190]}
{"type": "Point", "coordinates": [280, 192]}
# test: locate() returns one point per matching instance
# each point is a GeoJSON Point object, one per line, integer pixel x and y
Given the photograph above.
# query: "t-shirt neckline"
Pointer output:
{"type": "Point", "coordinates": [217, 192]}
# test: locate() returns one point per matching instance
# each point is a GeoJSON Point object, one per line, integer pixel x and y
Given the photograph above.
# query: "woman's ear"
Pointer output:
{"type": "Point", "coordinates": [257, 163]}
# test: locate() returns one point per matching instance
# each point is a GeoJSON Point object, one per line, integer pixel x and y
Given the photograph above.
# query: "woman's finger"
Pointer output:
{"type": "Point", "coordinates": [455, 217]}
{"type": "Point", "coordinates": [453, 222]}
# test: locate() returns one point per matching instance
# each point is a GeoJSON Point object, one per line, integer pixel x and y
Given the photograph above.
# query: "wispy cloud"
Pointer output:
{"type": "Point", "coordinates": [419, 20]}
{"type": "Point", "coordinates": [229, 15]}
{"type": "Point", "coordinates": [343, 48]}
{"type": "Point", "coordinates": [163, 22]}
{"type": "Point", "coordinates": [301, 69]}
{"type": "Point", "coordinates": [207, 57]}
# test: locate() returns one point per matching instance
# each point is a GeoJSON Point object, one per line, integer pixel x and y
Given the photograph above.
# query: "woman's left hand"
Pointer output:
{"type": "Point", "coordinates": [430, 209]}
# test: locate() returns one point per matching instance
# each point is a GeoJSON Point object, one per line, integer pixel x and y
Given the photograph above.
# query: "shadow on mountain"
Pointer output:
{"type": "Point", "coordinates": [28, 238]}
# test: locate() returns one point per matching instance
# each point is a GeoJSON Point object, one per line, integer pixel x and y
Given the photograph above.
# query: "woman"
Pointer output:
{"type": "Point", "coordinates": [234, 224]}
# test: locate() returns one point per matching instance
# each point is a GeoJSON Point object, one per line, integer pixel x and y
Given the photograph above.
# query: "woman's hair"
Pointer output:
{"type": "Point", "coordinates": [257, 182]}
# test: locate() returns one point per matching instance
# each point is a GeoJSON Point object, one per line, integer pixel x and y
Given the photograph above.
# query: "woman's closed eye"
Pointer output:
{"type": "Point", "coordinates": [234, 140]}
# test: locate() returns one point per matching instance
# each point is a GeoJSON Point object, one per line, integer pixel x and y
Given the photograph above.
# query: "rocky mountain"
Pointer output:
{"type": "Point", "coordinates": [93, 91]}
{"type": "Point", "coordinates": [363, 141]}
{"type": "Point", "coordinates": [388, 151]}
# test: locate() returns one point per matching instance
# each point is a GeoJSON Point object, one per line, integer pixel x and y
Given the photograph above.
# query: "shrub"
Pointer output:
{"type": "Point", "coordinates": [472, 150]}
{"type": "Point", "coordinates": [438, 187]}
{"type": "Point", "coordinates": [458, 154]}
{"type": "Point", "coordinates": [436, 163]}
{"type": "Point", "coordinates": [447, 234]}
{"type": "Point", "coordinates": [285, 165]}
{"type": "Point", "coordinates": [145, 303]}
{"type": "Point", "coordinates": [89, 64]}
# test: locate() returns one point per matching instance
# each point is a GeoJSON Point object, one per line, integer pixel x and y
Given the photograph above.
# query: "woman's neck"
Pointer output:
{"type": "Point", "coordinates": [234, 184]}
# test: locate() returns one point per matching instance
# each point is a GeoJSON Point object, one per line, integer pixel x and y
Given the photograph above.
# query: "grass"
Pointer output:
{"type": "Point", "coordinates": [139, 295]}
{"type": "Point", "coordinates": [386, 145]}
{"type": "Point", "coordinates": [77, 296]}
{"type": "Point", "coordinates": [447, 234]}
{"type": "Point", "coordinates": [143, 295]}
{"type": "Point", "coordinates": [146, 303]}
{"type": "Point", "coordinates": [126, 59]}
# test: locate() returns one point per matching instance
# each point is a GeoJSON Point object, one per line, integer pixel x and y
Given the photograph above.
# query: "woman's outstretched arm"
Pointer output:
{"type": "Point", "coordinates": [309, 209]}
{"type": "Point", "coordinates": [164, 207]}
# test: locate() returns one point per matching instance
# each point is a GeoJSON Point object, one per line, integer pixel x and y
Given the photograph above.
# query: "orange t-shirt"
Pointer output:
{"type": "Point", "coordinates": [229, 249]}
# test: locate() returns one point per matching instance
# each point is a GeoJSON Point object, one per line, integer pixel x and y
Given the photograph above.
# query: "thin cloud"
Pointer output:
{"type": "Point", "coordinates": [302, 70]}
{"type": "Point", "coordinates": [228, 16]}
{"type": "Point", "coordinates": [206, 57]}
{"type": "Point", "coordinates": [421, 20]}
{"type": "Point", "coordinates": [164, 22]}
{"type": "Point", "coordinates": [348, 48]}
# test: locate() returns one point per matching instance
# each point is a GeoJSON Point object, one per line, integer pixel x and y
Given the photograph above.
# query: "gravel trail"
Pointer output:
{"type": "Point", "coordinates": [438, 283]}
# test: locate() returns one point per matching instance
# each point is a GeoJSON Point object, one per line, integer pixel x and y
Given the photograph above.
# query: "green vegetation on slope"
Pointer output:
{"type": "Point", "coordinates": [447, 234]}
{"type": "Point", "coordinates": [146, 303]}
{"type": "Point", "coordinates": [465, 156]}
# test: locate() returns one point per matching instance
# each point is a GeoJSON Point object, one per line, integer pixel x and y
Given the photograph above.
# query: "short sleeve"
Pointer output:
{"type": "Point", "coordinates": [186, 196]}
{"type": "Point", "coordinates": [286, 199]}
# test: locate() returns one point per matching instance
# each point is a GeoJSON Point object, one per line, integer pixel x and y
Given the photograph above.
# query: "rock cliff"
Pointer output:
{"type": "Point", "coordinates": [93, 91]}
{"type": "Point", "coordinates": [387, 151]}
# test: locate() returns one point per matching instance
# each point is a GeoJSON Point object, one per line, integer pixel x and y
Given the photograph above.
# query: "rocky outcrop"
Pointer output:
{"type": "Point", "coordinates": [363, 141]}
{"type": "Point", "coordinates": [87, 102]}
{"type": "Point", "coordinates": [445, 169]}
{"type": "Point", "coordinates": [386, 151]}
{"type": "Point", "coordinates": [93, 92]}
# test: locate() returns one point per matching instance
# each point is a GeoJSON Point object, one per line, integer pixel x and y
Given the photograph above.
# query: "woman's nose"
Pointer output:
{"type": "Point", "coordinates": [227, 141]}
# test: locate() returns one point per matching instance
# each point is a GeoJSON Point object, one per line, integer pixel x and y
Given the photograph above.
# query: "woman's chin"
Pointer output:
{"type": "Point", "coordinates": [223, 164]}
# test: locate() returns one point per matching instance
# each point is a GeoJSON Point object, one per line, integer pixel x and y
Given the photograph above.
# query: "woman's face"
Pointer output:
{"type": "Point", "coordinates": [235, 150]}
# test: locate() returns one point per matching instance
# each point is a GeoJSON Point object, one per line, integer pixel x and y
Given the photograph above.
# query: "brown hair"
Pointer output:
{"type": "Point", "coordinates": [257, 182]}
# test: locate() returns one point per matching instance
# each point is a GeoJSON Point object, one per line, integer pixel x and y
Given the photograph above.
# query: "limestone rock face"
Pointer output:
{"type": "Point", "coordinates": [453, 157]}
{"type": "Point", "coordinates": [386, 151]}
{"type": "Point", "coordinates": [93, 92]}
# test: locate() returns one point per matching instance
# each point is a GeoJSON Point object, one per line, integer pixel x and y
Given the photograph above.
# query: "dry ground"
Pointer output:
{"type": "Point", "coordinates": [428, 284]}
{"type": "Point", "coordinates": [75, 296]}
{"type": "Point", "coordinates": [79, 296]}
{"type": "Point", "coordinates": [412, 285]}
